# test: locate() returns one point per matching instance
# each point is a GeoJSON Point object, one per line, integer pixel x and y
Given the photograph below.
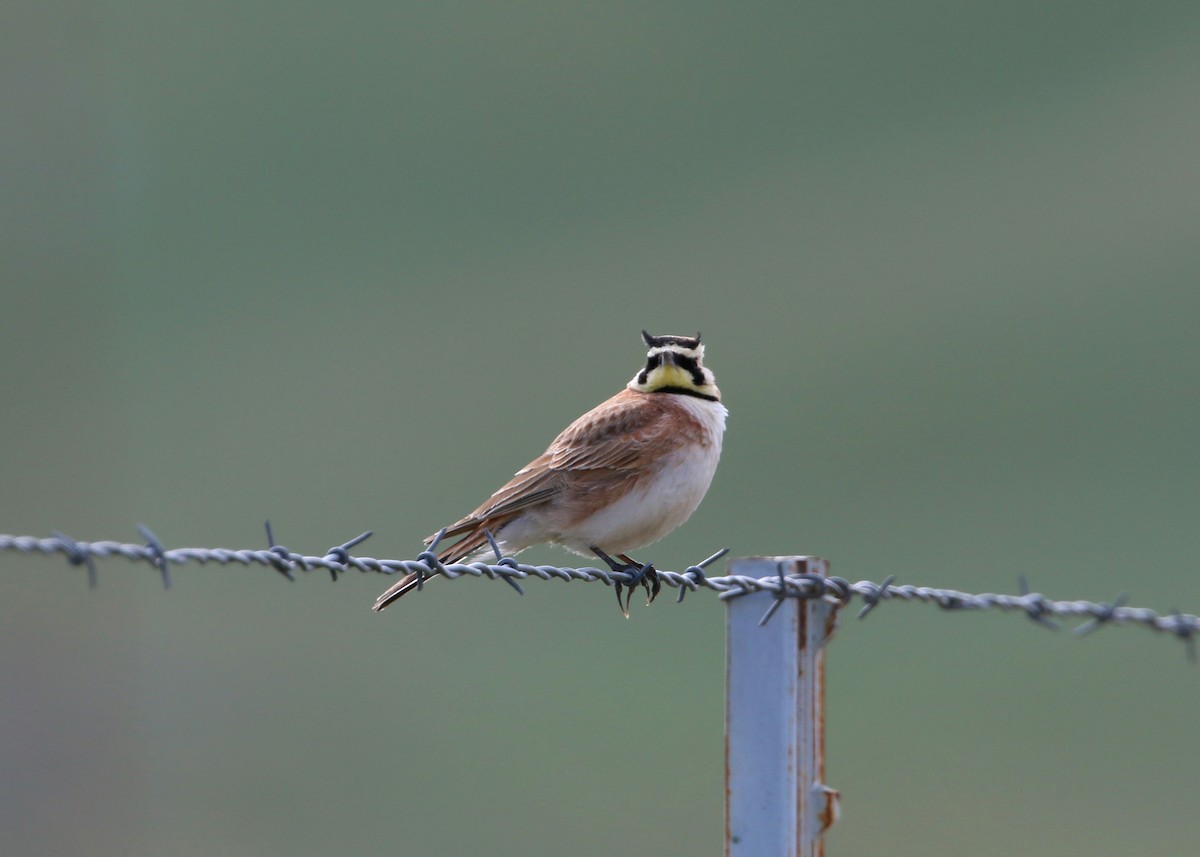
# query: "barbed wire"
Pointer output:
{"type": "Point", "coordinates": [839, 591]}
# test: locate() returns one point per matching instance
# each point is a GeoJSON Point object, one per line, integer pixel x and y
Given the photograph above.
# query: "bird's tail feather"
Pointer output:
{"type": "Point", "coordinates": [475, 542]}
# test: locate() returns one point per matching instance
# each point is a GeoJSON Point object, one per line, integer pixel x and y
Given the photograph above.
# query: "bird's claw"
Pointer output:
{"type": "Point", "coordinates": [643, 575]}
{"type": "Point", "coordinates": [647, 576]}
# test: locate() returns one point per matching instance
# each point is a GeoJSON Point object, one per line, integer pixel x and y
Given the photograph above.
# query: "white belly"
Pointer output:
{"type": "Point", "coordinates": [653, 509]}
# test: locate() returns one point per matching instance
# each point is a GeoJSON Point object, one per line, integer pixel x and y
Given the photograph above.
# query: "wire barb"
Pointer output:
{"type": "Point", "coordinates": [430, 562]}
{"type": "Point", "coordinates": [1185, 631]}
{"type": "Point", "coordinates": [78, 554]}
{"type": "Point", "coordinates": [1035, 605]}
{"type": "Point", "coordinates": [871, 600]}
{"type": "Point", "coordinates": [818, 587]}
{"type": "Point", "coordinates": [495, 545]}
{"type": "Point", "coordinates": [283, 562]}
{"type": "Point", "coordinates": [158, 555]}
{"type": "Point", "coordinates": [693, 575]}
{"type": "Point", "coordinates": [502, 562]}
{"type": "Point", "coordinates": [341, 555]}
{"type": "Point", "coordinates": [1102, 616]}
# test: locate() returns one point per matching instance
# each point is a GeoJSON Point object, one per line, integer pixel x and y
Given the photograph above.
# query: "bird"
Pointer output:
{"type": "Point", "coordinates": [621, 476]}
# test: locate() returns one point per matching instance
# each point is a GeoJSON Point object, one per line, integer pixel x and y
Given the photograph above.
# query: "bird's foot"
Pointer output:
{"type": "Point", "coordinates": [645, 575]}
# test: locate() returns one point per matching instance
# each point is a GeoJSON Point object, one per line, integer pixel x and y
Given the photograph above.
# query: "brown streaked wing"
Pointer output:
{"type": "Point", "coordinates": [621, 434]}
{"type": "Point", "coordinates": [533, 484]}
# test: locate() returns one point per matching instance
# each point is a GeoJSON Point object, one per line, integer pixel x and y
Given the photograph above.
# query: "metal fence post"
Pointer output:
{"type": "Point", "coordinates": [776, 801]}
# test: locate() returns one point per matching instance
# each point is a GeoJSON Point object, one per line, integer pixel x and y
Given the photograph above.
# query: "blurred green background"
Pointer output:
{"type": "Point", "coordinates": [347, 266]}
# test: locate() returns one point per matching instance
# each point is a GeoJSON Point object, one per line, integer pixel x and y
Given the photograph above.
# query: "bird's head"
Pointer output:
{"type": "Point", "coordinates": [675, 364]}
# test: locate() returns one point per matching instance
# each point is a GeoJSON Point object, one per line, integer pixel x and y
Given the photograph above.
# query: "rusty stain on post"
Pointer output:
{"type": "Point", "coordinates": [776, 800]}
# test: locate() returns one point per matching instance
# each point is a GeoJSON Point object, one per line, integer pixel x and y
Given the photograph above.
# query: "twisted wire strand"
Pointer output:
{"type": "Point", "coordinates": [338, 560]}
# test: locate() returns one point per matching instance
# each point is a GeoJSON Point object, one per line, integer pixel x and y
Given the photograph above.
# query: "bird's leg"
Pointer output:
{"type": "Point", "coordinates": [638, 573]}
{"type": "Point", "coordinates": [617, 567]}
{"type": "Point", "coordinates": [648, 578]}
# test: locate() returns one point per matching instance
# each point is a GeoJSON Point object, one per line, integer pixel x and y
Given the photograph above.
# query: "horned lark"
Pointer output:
{"type": "Point", "coordinates": [621, 476]}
